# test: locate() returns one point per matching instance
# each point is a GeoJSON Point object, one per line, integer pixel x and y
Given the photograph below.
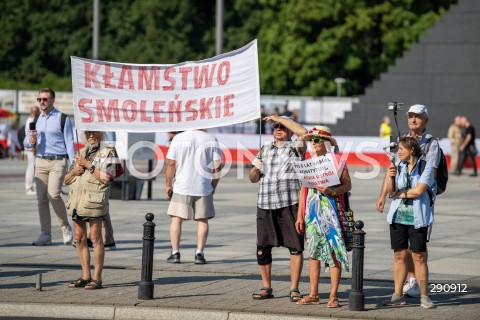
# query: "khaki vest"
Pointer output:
{"type": "Point", "coordinates": [88, 196]}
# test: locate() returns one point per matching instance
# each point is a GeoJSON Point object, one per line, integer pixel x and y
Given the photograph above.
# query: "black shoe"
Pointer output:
{"type": "Point", "coordinates": [200, 259]}
{"type": "Point", "coordinates": [174, 258]}
{"type": "Point", "coordinates": [458, 173]}
{"type": "Point", "coordinates": [473, 174]}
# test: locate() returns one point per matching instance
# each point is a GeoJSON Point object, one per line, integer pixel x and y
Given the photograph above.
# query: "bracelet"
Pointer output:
{"type": "Point", "coordinates": [334, 191]}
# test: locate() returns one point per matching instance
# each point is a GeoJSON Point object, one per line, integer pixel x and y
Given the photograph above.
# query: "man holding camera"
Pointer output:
{"type": "Point", "coordinates": [417, 119]}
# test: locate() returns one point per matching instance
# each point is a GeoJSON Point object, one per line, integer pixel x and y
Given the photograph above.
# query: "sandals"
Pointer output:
{"type": "Point", "coordinates": [94, 284]}
{"type": "Point", "coordinates": [307, 300]}
{"type": "Point", "coordinates": [79, 283]}
{"type": "Point", "coordinates": [295, 297]}
{"type": "Point", "coordinates": [333, 303]}
{"type": "Point", "coordinates": [261, 296]}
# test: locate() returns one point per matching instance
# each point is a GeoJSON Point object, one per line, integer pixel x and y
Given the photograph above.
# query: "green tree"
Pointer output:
{"type": "Point", "coordinates": [303, 44]}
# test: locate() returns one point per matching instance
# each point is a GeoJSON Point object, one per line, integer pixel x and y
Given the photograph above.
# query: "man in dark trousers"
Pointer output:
{"type": "Point", "coordinates": [467, 148]}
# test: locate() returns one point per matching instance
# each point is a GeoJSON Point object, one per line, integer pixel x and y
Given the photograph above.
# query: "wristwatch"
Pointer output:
{"type": "Point", "coordinates": [92, 167]}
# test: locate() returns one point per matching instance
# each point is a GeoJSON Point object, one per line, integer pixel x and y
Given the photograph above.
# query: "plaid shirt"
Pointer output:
{"type": "Point", "coordinates": [279, 187]}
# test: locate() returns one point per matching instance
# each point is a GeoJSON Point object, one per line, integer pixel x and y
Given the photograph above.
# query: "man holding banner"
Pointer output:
{"type": "Point", "coordinates": [277, 204]}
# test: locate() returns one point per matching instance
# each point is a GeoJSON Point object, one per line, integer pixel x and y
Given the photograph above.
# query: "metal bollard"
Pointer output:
{"type": "Point", "coordinates": [356, 299]}
{"type": "Point", "coordinates": [38, 285]}
{"type": "Point", "coordinates": [145, 287]}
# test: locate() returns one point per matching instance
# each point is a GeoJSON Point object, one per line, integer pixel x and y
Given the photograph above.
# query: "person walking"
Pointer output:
{"type": "Point", "coordinates": [417, 120]}
{"type": "Point", "coordinates": [468, 148]}
{"type": "Point", "coordinates": [30, 189]}
{"type": "Point", "coordinates": [385, 128]}
{"type": "Point", "coordinates": [410, 216]}
{"type": "Point", "coordinates": [194, 160]}
{"type": "Point", "coordinates": [89, 179]}
{"type": "Point", "coordinates": [53, 143]}
{"type": "Point", "coordinates": [455, 136]}
{"type": "Point", "coordinates": [318, 218]}
{"type": "Point", "coordinates": [277, 204]}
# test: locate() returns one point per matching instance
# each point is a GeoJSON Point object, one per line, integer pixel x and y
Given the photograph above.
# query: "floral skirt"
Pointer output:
{"type": "Point", "coordinates": [322, 230]}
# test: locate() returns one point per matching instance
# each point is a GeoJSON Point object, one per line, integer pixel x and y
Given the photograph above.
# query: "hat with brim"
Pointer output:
{"type": "Point", "coordinates": [320, 132]}
{"type": "Point", "coordinates": [418, 109]}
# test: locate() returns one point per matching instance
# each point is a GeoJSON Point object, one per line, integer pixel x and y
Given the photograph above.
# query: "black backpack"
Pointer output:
{"type": "Point", "coordinates": [442, 170]}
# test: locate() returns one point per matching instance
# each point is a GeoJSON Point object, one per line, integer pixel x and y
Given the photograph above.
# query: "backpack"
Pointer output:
{"type": "Point", "coordinates": [21, 136]}
{"type": "Point", "coordinates": [442, 170]}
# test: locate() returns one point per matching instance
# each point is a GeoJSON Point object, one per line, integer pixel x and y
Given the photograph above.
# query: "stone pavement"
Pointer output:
{"type": "Point", "coordinates": [222, 288]}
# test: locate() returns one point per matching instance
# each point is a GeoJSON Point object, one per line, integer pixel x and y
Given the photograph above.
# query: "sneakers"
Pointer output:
{"type": "Point", "coordinates": [67, 234]}
{"type": "Point", "coordinates": [110, 246]}
{"type": "Point", "coordinates": [411, 289]}
{"type": "Point", "coordinates": [174, 258]}
{"type": "Point", "coordinates": [31, 192]}
{"type": "Point", "coordinates": [395, 301]}
{"type": "Point", "coordinates": [43, 240]}
{"type": "Point", "coordinates": [426, 303]}
{"type": "Point", "coordinates": [200, 259]}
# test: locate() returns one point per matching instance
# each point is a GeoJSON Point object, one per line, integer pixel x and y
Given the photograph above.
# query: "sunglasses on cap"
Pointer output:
{"type": "Point", "coordinates": [278, 126]}
{"type": "Point", "coordinates": [318, 140]}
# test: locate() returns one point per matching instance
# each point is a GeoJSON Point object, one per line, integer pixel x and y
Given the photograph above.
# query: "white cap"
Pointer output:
{"type": "Point", "coordinates": [418, 109]}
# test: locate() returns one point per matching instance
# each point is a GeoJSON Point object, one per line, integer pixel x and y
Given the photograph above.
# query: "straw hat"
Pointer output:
{"type": "Point", "coordinates": [320, 132]}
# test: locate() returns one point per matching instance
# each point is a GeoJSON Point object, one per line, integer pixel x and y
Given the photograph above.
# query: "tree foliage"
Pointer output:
{"type": "Point", "coordinates": [303, 44]}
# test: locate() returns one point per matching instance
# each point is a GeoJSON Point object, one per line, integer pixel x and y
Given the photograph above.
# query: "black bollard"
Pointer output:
{"type": "Point", "coordinates": [356, 300]}
{"type": "Point", "coordinates": [145, 287]}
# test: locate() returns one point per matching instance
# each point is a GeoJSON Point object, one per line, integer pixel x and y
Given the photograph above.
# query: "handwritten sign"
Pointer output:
{"type": "Point", "coordinates": [318, 171]}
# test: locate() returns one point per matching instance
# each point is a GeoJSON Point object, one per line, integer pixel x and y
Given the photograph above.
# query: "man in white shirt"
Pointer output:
{"type": "Point", "coordinates": [194, 161]}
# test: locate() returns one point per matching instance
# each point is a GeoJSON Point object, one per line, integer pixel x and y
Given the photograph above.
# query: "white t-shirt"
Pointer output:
{"type": "Point", "coordinates": [194, 152]}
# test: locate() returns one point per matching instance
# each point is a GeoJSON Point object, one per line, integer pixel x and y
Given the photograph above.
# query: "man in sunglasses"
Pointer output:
{"type": "Point", "coordinates": [53, 144]}
{"type": "Point", "coordinates": [277, 204]}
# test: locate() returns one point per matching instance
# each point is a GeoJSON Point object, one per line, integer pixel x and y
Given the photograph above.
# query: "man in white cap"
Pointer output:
{"type": "Point", "coordinates": [417, 119]}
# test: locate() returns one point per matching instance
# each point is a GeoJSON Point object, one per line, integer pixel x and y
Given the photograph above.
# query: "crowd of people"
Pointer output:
{"type": "Point", "coordinates": [461, 134]}
{"type": "Point", "coordinates": [289, 213]}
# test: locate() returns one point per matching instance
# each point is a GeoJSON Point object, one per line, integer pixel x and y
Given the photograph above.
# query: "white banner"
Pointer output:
{"type": "Point", "coordinates": [111, 96]}
{"type": "Point", "coordinates": [318, 171]}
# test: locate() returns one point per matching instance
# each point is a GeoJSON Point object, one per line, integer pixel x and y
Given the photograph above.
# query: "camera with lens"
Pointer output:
{"type": "Point", "coordinates": [408, 202]}
{"type": "Point", "coordinates": [395, 106]}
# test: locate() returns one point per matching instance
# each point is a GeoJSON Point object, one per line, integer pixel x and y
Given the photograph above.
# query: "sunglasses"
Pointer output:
{"type": "Point", "coordinates": [278, 126]}
{"type": "Point", "coordinates": [90, 133]}
{"type": "Point", "coordinates": [43, 99]}
{"type": "Point", "coordinates": [318, 140]}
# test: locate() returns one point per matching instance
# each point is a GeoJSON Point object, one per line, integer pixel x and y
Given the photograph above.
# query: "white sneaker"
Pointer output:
{"type": "Point", "coordinates": [426, 303]}
{"type": "Point", "coordinates": [67, 234]}
{"type": "Point", "coordinates": [411, 289]}
{"type": "Point", "coordinates": [31, 192]}
{"type": "Point", "coordinates": [43, 240]}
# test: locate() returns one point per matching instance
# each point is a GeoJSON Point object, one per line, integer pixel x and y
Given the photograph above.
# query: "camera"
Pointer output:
{"type": "Point", "coordinates": [395, 106]}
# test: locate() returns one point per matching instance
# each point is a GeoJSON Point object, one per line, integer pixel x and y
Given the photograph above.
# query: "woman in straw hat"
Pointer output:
{"type": "Point", "coordinates": [318, 211]}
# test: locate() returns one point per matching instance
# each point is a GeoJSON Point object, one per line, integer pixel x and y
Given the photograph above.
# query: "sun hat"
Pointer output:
{"type": "Point", "coordinates": [320, 132]}
{"type": "Point", "coordinates": [418, 109]}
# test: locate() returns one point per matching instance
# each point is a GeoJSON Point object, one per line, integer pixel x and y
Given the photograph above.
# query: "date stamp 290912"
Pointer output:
{"type": "Point", "coordinates": [448, 287]}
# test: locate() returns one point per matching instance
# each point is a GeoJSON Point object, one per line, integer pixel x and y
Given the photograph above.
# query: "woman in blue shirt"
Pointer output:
{"type": "Point", "coordinates": [409, 216]}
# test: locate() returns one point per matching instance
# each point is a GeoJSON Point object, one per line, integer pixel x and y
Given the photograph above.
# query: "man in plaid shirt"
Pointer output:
{"type": "Point", "coordinates": [278, 202]}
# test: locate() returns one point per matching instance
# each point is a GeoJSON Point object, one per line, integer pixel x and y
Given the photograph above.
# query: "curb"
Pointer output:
{"type": "Point", "coordinates": [131, 313]}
